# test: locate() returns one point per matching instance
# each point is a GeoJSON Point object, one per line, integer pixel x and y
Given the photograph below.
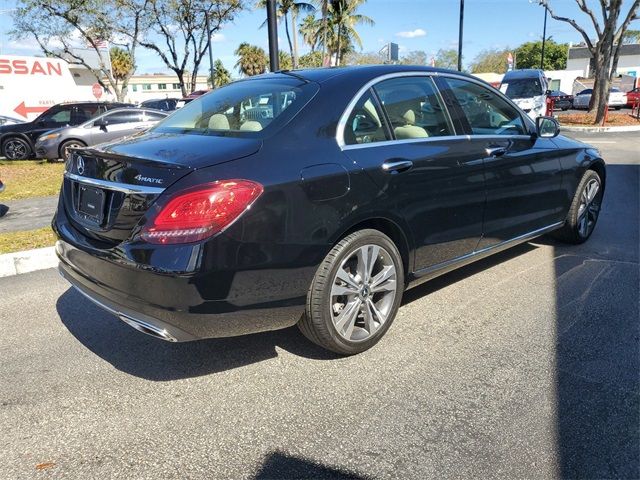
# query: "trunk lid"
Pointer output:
{"type": "Point", "coordinates": [109, 188]}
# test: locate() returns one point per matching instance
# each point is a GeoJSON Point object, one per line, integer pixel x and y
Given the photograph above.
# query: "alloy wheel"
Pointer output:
{"type": "Point", "coordinates": [15, 150]}
{"type": "Point", "coordinates": [66, 151]}
{"type": "Point", "coordinates": [363, 292]}
{"type": "Point", "coordinates": [589, 208]}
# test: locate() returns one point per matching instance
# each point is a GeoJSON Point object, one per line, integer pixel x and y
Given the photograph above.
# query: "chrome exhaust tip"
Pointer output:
{"type": "Point", "coordinates": [147, 328]}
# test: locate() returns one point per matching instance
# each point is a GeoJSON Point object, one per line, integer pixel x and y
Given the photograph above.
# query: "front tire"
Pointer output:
{"type": "Point", "coordinates": [65, 148]}
{"type": "Point", "coordinates": [355, 294]}
{"type": "Point", "coordinates": [15, 148]}
{"type": "Point", "coordinates": [585, 209]}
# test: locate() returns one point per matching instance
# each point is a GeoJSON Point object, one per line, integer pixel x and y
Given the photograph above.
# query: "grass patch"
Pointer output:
{"type": "Point", "coordinates": [30, 178]}
{"type": "Point", "coordinates": [588, 119]}
{"type": "Point", "coordinates": [17, 241]}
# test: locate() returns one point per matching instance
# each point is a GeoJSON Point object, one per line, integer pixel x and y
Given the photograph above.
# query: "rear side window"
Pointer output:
{"type": "Point", "coordinates": [366, 122]}
{"type": "Point", "coordinates": [122, 117]}
{"type": "Point", "coordinates": [486, 112]}
{"type": "Point", "coordinates": [413, 107]}
{"type": "Point", "coordinates": [85, 112]}
{"type": "Point", "coordinates": [241, 108]}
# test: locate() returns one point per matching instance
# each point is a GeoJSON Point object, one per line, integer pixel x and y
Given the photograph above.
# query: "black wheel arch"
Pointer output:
{"type": "Point", "coordinates": [19, 135]}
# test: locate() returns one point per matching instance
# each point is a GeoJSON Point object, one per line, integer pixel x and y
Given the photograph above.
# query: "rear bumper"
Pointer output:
{"type": "Point", "coordinates": [179, 318]}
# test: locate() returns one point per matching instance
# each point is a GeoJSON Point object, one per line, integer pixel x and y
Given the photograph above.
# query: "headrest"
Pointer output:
{"type": "Point", "coordinates": [410, 117]}
{"type": "Point", "coordinates": [218, 122]}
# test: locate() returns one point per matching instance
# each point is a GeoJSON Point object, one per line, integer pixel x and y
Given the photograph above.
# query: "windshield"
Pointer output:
{"type": "Point", "coordinates": [522, 88]}
{"type": "Point", "coordinates": [241, 108]}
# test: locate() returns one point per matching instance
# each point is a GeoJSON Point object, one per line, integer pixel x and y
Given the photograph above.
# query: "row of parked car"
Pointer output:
{"type": "Point", "coordinates": [617, 99]}
{"type": "Point", "coordinates": [65, 126]}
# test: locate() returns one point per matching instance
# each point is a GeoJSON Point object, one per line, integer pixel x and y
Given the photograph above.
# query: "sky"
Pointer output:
{"type": "Point", "coordinates": [427, 25]}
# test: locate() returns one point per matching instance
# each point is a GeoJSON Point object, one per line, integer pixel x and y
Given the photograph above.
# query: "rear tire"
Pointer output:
{"type": "Point", "coordinates": [355, 294]}
{"type": "Point", "coordinates": [585, 209]}
{"type": "Point", "coordinates": [15, 148]}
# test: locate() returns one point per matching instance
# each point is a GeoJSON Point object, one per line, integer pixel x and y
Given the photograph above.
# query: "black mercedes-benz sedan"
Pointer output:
{"type": "Point", "coordinates": [315, 197]}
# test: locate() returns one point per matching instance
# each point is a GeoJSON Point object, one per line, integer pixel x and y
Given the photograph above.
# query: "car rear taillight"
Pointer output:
{"type": "Point", "coordinates": [200, 212]}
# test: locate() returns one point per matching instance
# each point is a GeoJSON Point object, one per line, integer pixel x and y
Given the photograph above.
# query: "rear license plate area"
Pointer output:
{"type": "Point", "coordinates": [91, 203]}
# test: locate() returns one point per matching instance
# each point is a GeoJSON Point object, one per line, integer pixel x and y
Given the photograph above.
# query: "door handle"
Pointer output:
{"type": "Point", "coordinates": [496, 151]}
{"type": "Point", "coordinates": [397, 166]}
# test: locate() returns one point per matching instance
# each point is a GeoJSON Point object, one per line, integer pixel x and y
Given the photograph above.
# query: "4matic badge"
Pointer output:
{"type": "Point", "coordinates": [141, 178]}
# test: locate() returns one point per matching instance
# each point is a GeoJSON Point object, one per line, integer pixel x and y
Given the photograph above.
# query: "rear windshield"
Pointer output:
{"type": "Point", "coordinates": [245, 108]}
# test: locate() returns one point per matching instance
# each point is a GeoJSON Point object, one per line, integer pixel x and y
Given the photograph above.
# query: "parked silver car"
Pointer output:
{"type": "Point", "coordinates": [617, 99]}
{"type": "Point", "coordinates": [109, 126]}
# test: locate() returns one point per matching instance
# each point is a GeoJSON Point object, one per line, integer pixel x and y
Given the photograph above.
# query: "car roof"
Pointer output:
{"type": "Point", "coordinates": [360, 72]}
{"type": "Point", "coordinates": [524, 73]}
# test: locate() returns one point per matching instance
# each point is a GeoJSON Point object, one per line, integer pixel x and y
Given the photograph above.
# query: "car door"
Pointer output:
{"type": "Point", "coordinates": [56, 117]}
{"type": "Point", "coordinates": [523, 176]}
{"type": "Point", "coordinates": [116, 125]}
{"type": "Point", "coordinates": [581, 100]}
{"type": "Point", "coordinates": [401, 134]}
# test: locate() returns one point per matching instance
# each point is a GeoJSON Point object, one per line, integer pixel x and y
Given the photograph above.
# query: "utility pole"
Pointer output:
{"type": "Point", "coordinates": [272, 28]}
{"type": "Point", "coordinates": [544, 36]}
{"type": "Point", "coordinates": [460, 35]}
{"type": "Point", "coordinates": [206, 16]}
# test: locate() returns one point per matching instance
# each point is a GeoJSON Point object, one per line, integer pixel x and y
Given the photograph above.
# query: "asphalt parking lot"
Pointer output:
{"type": "Point", "coordinates": [524, 365]}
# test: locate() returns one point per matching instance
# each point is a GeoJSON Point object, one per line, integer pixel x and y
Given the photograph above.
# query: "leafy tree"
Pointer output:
{"type": "Point", "coordinates": [252, 60]}
{"type": "Point", "coordinates": [631, 36]}
{"type": "Point", "coordinates": [447, 58]}
{"type": "Point", "coordinates": [343, 19]}
{"type": "Point", "coordinates": [285, 61]}
{"type": "Point", "coordinates": [122, 65]}
{"type": "Point", "coordinates": [415, 57]}
{"type": "Point", "coordinates": [293, 8]}
{"type": "Point", "coordinates": [311, 60]}
{"type": "Point", "coordinates": [221, 76]}
{"type": "Point", "coordinates": [71, 24]}
{"type": "Point", "coordinates": [610, 27]}
{"type": "Point", "coordinates": [181, 27]}
{"type": "Point", "coordinates": [366, 58]}
{"type": "Point", "coordinates": [529, 54]}
{"type": "Point", "coordinates": [492, 60]}
{"type": "Point", "coordinates": [309, 29]}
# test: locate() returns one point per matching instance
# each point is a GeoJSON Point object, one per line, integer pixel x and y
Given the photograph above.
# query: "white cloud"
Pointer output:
{"type": "Point", "coordinates": [218, 38]}
{"type": "Point", "coordinates": [418, 32]}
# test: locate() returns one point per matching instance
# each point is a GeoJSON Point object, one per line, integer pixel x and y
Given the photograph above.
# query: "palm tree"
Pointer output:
{"type": "Point", "coordinates": [293, 7]}
{"type": "Point", "coordinates": [252, 59]}
{"type": "Point", "coordinates": [310, 29]}
{"type": "Point", "coordinates": [221, 76]}
{"type": "Point", "coordinates": [344, 18]}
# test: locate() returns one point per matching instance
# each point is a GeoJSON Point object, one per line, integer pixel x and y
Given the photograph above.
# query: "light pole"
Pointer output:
{"type": "Point", "coordinates": [460, 35]}
{"type": "Point", "coordinates": [544, 36]}
{"type": "Point", "coordinates": [272, 27]}
{"type": "Point", "coordinates": [206, 17]}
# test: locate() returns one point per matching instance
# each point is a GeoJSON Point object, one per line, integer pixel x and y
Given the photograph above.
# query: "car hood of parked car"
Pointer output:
{"type": "Point", "coordinates": [194, 151]}
{"type": "Point", "coordinates": [17, 127]}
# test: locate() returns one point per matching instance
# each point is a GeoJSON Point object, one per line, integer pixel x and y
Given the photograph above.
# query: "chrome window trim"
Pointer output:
{"type": "Point", "coordinates": [116, 186]}
{"type": "Point", "coordinates": [356, 146]}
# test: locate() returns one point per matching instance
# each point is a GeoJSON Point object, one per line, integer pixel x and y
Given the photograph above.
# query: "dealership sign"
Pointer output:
{"type": "Point", "coordinates": [30, 85]}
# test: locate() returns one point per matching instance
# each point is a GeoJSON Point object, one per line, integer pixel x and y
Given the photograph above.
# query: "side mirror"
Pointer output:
{"type": "Point", "coordinates": [101, 123]}
{"type": "Point", "coordinates": [547, 127]}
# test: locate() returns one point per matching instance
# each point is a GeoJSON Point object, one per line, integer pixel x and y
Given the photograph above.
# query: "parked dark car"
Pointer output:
{"type": "Point", "coordinates": [164, 104]}
{"type": "Point", "coordinates": [17, 142]}
{"type": "Point", "coordinates": [563, 101]}
{"type": "Point", "coordinates": [109, 126]}
{"type": "Point", "coordinates": [369, 181]}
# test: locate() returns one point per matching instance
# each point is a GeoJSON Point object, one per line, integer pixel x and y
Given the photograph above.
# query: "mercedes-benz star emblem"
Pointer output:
{"type": "Point", "coordinates": [80, 165]}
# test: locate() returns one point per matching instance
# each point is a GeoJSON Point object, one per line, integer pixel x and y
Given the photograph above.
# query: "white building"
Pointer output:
{"type": "Point", "coordinates": [579, 58]}
{"type": "Point", "coordinates": [159, 85]}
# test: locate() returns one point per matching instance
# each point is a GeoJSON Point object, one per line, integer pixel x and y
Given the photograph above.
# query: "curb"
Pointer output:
{"type": "Point", "coordinates": [625, 128]}
{"type": "Point", "coordinates": [27, 261]}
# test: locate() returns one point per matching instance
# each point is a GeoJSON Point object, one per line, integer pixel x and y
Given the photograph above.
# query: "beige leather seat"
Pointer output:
{"type": "Point", "coordinates": [251, 126]}
{"type": "Point", "coordinates": [410, 129]}
{"type": "Point", "coordinates": [402, 113]}
{"type": "Point", "coordinates": [219, 122]}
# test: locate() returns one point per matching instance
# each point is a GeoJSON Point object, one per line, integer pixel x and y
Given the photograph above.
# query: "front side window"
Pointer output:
{"type": "Point", "coordinates": [366, 122]}
{"type": "Point", "coordinates": [486, 112]}
{"type": "Point", "coordinates": [413, 108]}
{"type": "Point", "coordinates": [241, 108]}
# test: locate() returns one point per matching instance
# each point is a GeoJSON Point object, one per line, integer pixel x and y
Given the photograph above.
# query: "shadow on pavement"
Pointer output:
{"type": "Point", "coordinates": [279, 465]}
{"type": "Point", "coordinates": [597, 340]}
{"type": "Point", "coordinates": [147, 357]}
